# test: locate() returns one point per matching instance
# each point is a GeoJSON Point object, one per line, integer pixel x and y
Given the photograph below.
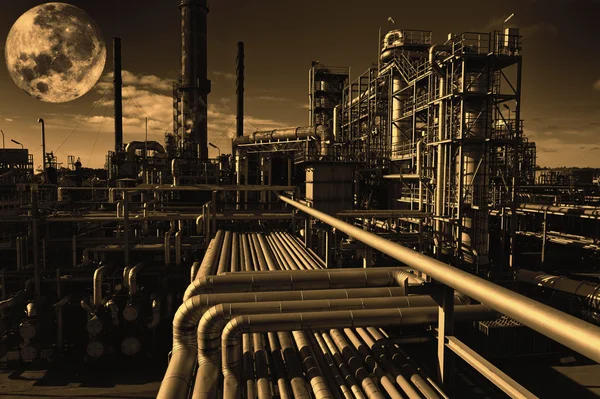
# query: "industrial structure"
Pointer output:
{"type": "Point", "coordinates": [359, 256]}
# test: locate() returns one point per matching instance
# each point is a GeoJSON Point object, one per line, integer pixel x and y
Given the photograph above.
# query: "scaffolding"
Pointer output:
{"type": "Point", "coordinates": [444, 121]}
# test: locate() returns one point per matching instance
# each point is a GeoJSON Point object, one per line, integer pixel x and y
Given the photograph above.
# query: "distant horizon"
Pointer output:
{"type": "Point", "coordinates": [559, 107]}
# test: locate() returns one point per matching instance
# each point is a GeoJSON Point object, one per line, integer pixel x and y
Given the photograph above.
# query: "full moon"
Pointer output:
{"type": "Point", "coordinates": [55, 52]}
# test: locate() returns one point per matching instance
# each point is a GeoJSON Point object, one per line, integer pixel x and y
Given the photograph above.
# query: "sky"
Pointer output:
{"type": "Point", "coordinates": [561, 77]}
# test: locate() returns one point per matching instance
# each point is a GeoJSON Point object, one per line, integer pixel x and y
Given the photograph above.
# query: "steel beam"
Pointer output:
{"type": "Point", "coordinates": [488, 370]}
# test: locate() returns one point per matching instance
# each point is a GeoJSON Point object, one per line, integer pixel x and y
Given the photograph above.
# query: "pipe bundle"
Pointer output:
{"type": "Point", "coordinates": [263, 313]}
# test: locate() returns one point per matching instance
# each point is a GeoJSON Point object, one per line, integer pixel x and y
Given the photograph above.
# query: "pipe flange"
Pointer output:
{"type": "Point", "coordinates": [131, 346]}
{"type": "Point", "coordinates": [28, 353]}
{"type": "Point", "coordinates": [94, 325]}
{"type": "Point", "coordinates": [130, 313]}
{"type": "Point", "coordinates": [27, 330]}
{"type": "Point", "coordinates": [95, 349]}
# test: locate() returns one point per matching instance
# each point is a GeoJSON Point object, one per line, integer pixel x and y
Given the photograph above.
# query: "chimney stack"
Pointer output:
{"type": "Point", "coordinates": [239, 90]}
{"type": "Point", "coordinates": [195, 85]}
{"type": "Point", "coordinates": [118, 90]}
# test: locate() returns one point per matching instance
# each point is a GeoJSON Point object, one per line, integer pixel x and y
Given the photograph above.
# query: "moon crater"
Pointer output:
{"type": "Point", "coordinates": [55, 52]}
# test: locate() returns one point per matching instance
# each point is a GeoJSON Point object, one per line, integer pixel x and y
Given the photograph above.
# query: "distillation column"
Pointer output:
{"type": "Point", "coordinates": [474, 165]}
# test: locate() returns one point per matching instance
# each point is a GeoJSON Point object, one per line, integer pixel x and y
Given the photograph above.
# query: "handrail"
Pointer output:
{"type": "Point", "coordinates": [567, 330]}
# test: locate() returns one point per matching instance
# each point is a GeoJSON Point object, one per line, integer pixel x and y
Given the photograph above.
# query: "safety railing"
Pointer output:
{"type": "Point", "coordinates": [567, 330]}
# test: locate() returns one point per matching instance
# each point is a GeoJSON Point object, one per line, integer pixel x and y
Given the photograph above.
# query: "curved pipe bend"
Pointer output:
{"type": "Point", "coordinates": [297, 280]}
{"type": "Point", "coordinates": [231, 338]}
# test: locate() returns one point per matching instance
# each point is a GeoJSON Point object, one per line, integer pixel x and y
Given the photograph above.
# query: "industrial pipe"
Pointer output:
{"type": "Point", "coordinates": [214, 319]}
{"type": "Point", "coordinates": [569, 331]}
{"type": "Point", "coordinates": [155, 314]}
{"type": "Point", "coordinates": [168, 243]}
{"type": "Point", "coordinates": [588, 291]}
{"type": "Point", "coordinates": [178, 376]}
{"type": "Point", "coordinates": [98, 277]}
{"type": "Point", "coordinates": [232, 332]}
{"type": "Point", "coordinates": [132, 278]}
{"type": "Point", "coordinates": [320, 132]}
{"type": "Point", "coordinates": [298, 279]}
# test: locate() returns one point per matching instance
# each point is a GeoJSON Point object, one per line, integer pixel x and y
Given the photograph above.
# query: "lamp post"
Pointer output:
{"type": "Point", "coordinates": [43, 148]}
{"type": "Point", "coordinates": [16, 142]}
{"type": "Point", "coordinates": [214, 146]}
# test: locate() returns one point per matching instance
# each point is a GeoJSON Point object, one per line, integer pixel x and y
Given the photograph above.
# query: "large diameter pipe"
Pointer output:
{"type": "Point", "coordinates": [179, 373]}
{"type": "Point", "coordinates": [567, 330]}
{"type": "Point", "coordinates": [214, 319]}
{"type": "Point", "coordinates": [590, 292]}
{"type": "Point", "coordinates": [98, 278]}
{"type": "Point", "coordinates": [232, 333]}
{"type": "Point", "coordinates": [298, 280]}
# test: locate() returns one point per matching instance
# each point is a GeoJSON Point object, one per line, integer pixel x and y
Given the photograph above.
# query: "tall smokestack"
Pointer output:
{"type": "Point", "coordinates": [240, 90]}
{"type": "Point", "coordinates": [195, 85]}
{"type": "Point", "coordinates": [118, 87]}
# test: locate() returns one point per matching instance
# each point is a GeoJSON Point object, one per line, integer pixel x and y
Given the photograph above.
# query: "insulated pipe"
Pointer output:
{"type": "Point", "coordinates": [126, 270]}
{"type": "Point", "coordinates": [155, 314]}
{"type": "Point", "coordinates": [566, 210]}
{"type": "Point", "coordinates": [178, 376]}
{"type": "Point", "coordinates": [132, 278]}
{"type": "Point", "coordinates": [247, 253]}
{"type": "Point", "coordinates": [214, 319]}
{"type": "Point", "coordinates": [98, 277]}
{"type": "Point", "coordinates": [266, 251]}
{"type": "Point", "coordinates": [401, 358]}
{"type": "Point", "coordinates": [299, 279]}
{"type": "Point", "coordinates": [570, 331]}
{"type": "Point", "coordinates": [279, 258]}
{"type": "Point", "coordinates": [278, 367]}
{"type": "Point", "coordinates": [385, 379]}
{"type": "Point", "coordinates": [311, 368]}
{"type": "Point", "coordinates": [232, 333]}
{"type": "Point", "coordinates": [235, 253]}
{"type": "Point", "coordinates": [208, 261]}
{"type": "Point", "coordinates": [437, 48]}
{"type": "Point", "coordinates": [321, 132]}
{"type": "Point", "coordinates": [376, 342]}
{"type": "Point", "coordinates": [303, 252]}
{"type": "Point", "coordinates": [168, 243]}
{"type": "Point", "coordinates": [112, 306]}
{"type": "Point", "coordinates": [356, 366]}
{"type": "Point", "coordinates": [288, 256]}
{"type": "Point", "coordinates": [224, 259]}
{"type": "Point", "coordinates": [338, 380]}
{"type": "Point", "coordinates": [323, 366]}
{"type": "Point", "coordinates": [194, 270]}
{"type": "Point", "coordinates": [310, 252]}
{"type": "Point", "coordinates": [262, 262]}
{"type": "Point", "coordinates": [263, 385]}
{"type": "Point", "coordinates": [586, 290]}
{"type": "Point", "coordinates": [295, 374]}
{"type": "Point", "coordinates": [342, 365]}
{"type": "Point", "coordinates": [59, 319]}
{"type": "Point", "coordinates": [300, 260]}
{"type": "Point", "coordinates": [178, 246]}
